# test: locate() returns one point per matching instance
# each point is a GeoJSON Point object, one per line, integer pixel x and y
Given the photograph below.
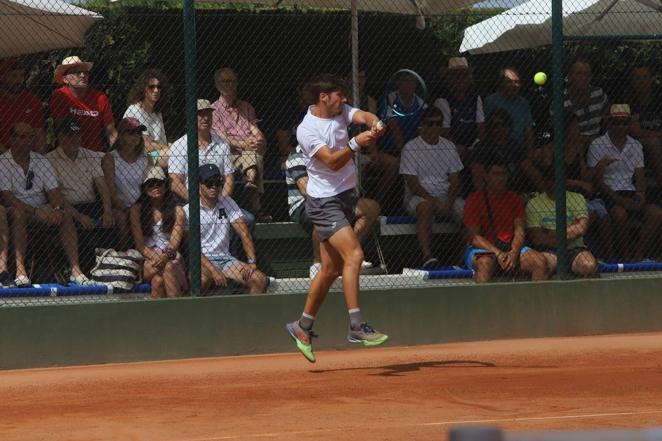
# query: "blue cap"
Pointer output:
{"type": "Point", "coordinates": [208, 171]}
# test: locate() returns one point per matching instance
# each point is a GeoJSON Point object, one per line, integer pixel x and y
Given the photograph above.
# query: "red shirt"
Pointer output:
{"type": "Point", "coordinates": [506, 207]}
{"type": "Point", "coordinates": [22, 107]}
{"type": "Point", "coordinates": [93, 113]}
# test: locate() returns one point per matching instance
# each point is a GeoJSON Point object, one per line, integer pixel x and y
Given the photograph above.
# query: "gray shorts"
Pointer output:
{"type": "Point", "coordinates": [331, 214]}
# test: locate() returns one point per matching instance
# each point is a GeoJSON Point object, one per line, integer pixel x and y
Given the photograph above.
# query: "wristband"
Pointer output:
{"type": "Point", "coordinates": [353, 145]}
{"type": "Point", "coordinates": [251, 261]}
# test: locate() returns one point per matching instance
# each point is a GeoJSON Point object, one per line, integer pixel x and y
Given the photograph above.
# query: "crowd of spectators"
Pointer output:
{"type": "Point", "coordinates": [96, 175]}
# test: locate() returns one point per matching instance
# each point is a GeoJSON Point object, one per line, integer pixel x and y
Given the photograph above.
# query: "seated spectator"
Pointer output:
{"type": "Point", "coordinates": [211, 150]}
{"type": "Point", "coordinates": [645, 100]}
{"type": "Point", "coordinates": [541, 227]}
{"type": "Point", "coordinates": [28, 185]}
{"type": "Point", "coordinates": [157, 224]}
{"type": "Point", "coordinates": [587, 102]}
{"type": "Point", "coordinates": [6, 278]}
{"type": "Point", "coordinates": [366, 211]}
{"type": "Point", "coordinates": [462, 107]}
{"type": "Point", "coordinates": [123, 168]}
{"type": "Point", "coordinates": [431, 167]}
{"type": "Point", "coordinates": [402, 128]}
{"type": "Point", "coordinates": [219, 215]}
{"type": "Point", "coordinates": [517, 107]}
{"type": "Point", "coordinates": [90, 107]}
{"type": "Point", "coordinates": [494, 218]}
{"type": "Point", "coordinates": [234, 120]}
{"type": "Point", "coordinates": [80, 178]}
{"type": "Point", "coordinates": [17, 104]}
{"type": "Point", "coordinates": [146, 104]}
{"type": "Point", "coordinates": [617, 161]}
{"type": "Point", "coordinates": [497, 143]}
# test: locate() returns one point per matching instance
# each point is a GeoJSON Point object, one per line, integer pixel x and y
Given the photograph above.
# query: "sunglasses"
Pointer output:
{"type": "Point", "coordinates": [154, 183]}
{"type": "Point", "coordinates": [620, 121]}
{"type": "Point", "coordinates": [213, 183]}
{"type": "Point", "coordinates": [154, 86]}
{"type": "Point", "coordinates": [432, 123]}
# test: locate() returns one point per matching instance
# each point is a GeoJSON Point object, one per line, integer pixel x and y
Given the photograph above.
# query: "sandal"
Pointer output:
{"type": "Point", "coordinates": [22, 282]}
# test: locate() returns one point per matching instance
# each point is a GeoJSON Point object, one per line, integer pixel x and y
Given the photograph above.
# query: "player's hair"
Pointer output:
{"type": "Point", "coordinates": [137, 92]}
{"type": "Point", "coordinates": [324, 83]}
{"type": "Point", "coordinates": [431, 112]}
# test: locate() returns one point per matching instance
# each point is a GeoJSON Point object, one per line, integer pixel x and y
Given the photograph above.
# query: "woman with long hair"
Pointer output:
{"type": "Point", "coordinates": [157, 224]}
{"type": "Point", "coordinates": [146, 104]}
{"type": "Point", "coordinates": [123, 170]}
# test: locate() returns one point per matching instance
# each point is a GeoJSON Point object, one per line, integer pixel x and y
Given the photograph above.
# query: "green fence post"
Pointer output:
{"type": "Point", "coordinates": [192, 138]}
{"type": "Point", "coordinates": [559, 132]}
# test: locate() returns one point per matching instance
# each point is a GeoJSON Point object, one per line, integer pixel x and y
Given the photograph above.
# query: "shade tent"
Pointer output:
{"type": "Point", "coordinates": [529, 25]}
{"type": "Point", "coordinates": [29, 26]}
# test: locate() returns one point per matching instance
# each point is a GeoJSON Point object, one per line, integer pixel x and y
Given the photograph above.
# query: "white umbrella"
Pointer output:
{"type": "Point", "coordinates": [530, 24]}
{"type": "Point", "coordinates": [28, 26]}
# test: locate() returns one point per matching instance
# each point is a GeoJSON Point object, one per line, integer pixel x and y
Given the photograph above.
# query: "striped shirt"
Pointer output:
{"type": "Point", "coordinates": [589, 117]}
{"type": "Point", "coordinates": [295, 169]}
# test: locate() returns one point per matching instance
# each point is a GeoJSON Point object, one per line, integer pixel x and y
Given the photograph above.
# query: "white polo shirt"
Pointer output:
{"type": "Point", "coordinates": [217, 153]}
{"type": "Point", "coordinates": [432, 164]}
{"type": "Point", "coordinates": [216, 226]}
{"type": "Point", "coordinates": [314, 133]}
{"type": "Point", "coordinates": [30, 187]}
{"type": "Point", "coordinates": [619, 174]}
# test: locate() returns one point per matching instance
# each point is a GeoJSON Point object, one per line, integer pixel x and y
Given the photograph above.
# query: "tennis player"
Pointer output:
{"type": "Point", "coordinates": [323, 138]}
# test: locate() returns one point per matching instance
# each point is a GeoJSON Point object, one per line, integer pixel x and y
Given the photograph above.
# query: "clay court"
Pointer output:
{"type": "Point", "coordinates": [390, 393]}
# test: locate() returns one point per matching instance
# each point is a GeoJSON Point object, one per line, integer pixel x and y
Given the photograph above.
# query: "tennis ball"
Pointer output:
{"type": "Point", "coordinates": [540, 78]}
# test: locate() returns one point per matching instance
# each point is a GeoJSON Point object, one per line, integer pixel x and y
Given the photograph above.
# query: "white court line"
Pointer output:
{"type": "Point", "coordinates": [441, 423]}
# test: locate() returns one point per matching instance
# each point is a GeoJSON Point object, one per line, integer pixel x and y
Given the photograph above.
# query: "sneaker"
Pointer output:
{"type": "Point", "coordinates": [367, 335]}
{"type": "Point", "coordinates": [430, 264]}
{"type": "Point", "coordinates": [303, 338]}
{"type": "Point", "coordinates": [366, 265]}
{"type": "Point", "coordinates": [314, 269]}
{"type": "Point", "coordinates": [6, 279]}
{"type": "Point", "coordinates": [22, 282]}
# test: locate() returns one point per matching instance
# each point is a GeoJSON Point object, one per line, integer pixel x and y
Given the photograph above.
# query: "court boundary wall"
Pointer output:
{"type": "Point", "coordinates": [76, 334]}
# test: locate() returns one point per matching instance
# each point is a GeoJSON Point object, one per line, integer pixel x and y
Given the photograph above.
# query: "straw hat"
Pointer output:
{"type": "Point", "coordinates": [67, 64]}
{"type": "Point", "coordinates": [619, 111]}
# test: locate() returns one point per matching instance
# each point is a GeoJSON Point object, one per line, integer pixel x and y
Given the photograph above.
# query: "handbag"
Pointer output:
{"type": "Point", "coordinates": [117, 269]}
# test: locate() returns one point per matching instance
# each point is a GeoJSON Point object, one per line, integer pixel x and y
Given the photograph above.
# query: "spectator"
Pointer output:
{"type": "Point", "coordinates": [366, 101]}
{"type": "Point", "coordinates": [286, 134]}
{"type": "Point", "coordinates": [218, 215]}
{"type": "Point", "coordinates": [146, 104]}
{"type": "Point", "coordinates": [366, 211]}
{"type": "Point", "coordinates": [587, 102]}
{"type": "Point", "coordinates": [157, 224]}
{"type": "Point", "coordinates": [18, 105]}
{"type": "Point", "coordinates": [494, 218]}
{"type": "Point", "coordinates": [402, 128]}
{"type": "Point", "coordinates": [497, 143]}
{"type": "Point", "coordinates": [431, 167]}
{"type": "Point", "coordinates": [645, 102]}
{"type": "Point", "coordinates": [6, 278]}
{"type": "Point", "coordinates": [462, 107]}
{"type": "Point", "coordinates": [90, 107]}
{"type": "Point", "coordinates": [541, 227]}
{"type": "Point", "coordinates": [211, 150]}
{"type": "Point", "coordinates": [80, 178]}
{"type": "Point", "coordinates": [123, 168]}
{"type": "Point", "coordinates": [617, 161]}
{"type": "Point", "coordinates": [234, 121]}
{"type": "Point", "coordinates": [27, 185]}
{"type": "Point", "coordinates": [509, 99]}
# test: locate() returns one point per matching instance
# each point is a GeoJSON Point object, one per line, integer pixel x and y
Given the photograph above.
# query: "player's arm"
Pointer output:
{"type": "Point", "coordinates": [365, 118]}
{"type": "Point", "coordinates": [336, 159]}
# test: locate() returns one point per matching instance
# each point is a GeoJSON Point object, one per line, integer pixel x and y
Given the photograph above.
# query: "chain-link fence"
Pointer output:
{"type": "Point", "coordinates": [97, 165]}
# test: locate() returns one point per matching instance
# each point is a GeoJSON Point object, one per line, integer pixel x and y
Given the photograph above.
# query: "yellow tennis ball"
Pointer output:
{"type": "Point", "coordinates": [540, 78]}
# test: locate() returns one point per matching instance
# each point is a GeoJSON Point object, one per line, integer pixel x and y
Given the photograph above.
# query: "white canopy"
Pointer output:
{"type": "Point", "coordinates": [28, 26]}
{"type": "Point", "coordinates": [530, 24]}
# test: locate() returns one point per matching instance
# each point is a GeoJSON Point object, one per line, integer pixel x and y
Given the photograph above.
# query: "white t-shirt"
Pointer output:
{"type": "Point", "coordinates": [128, 177]}
{"type": "Point", "coordinates": [442, 104]}
{"type": "Point", "coordinates": [159, 238]}
{"type": "Point", "coordinates": [217, 152]}
{"type": "Point", "coordinates": [30, 187]}
{"type": "Point", "coordinates": [619, 174]}
{"type": "Point", "coordinates": [216, 226]}
{"type": "Point", "coordinates": [431, 163]}
{"type": "Point", "coordinates": [152, 121]}
{"type": "Point", "coordinates": [314, 133]}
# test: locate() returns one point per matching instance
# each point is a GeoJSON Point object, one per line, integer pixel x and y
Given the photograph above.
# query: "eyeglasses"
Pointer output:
{"type": "Point", "coordinates": [29, 180]}
{"type": "Point", "coordinates": [620, 121]}
{"type": "Point", "coordinates": [154, 183]}
{"type": "Point", "coordinates": [213, 183]}
{"type": "Point", "coordinates": [432, 123]}
{"type": "Point", "coordinates": [154, 86]}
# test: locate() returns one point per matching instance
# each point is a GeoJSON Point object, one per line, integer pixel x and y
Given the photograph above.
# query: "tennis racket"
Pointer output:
{"type": "Point", "coordinates": [405, 95]}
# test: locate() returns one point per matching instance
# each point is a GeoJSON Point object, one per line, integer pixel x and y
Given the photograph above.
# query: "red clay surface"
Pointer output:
{"type": "Point", "coordinates": [391, 393]}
